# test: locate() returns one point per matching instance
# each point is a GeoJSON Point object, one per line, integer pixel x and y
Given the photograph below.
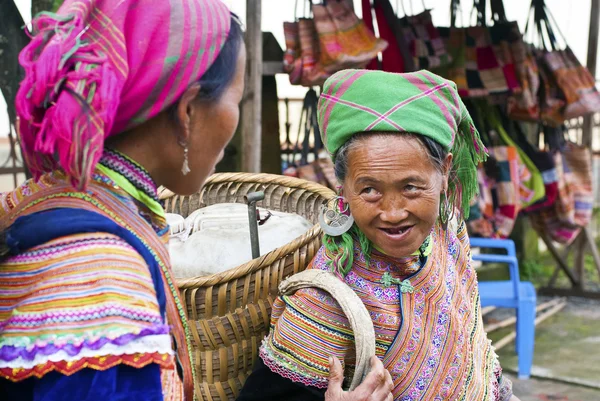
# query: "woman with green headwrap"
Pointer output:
{"type": "Point", "coordinates": [406, 153]}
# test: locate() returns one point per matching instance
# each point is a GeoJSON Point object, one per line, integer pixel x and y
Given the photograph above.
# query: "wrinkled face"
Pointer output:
{"type": "Point", "coordinates": [393, 190]}
{"type": "Point", "coordinates": [211, 127]}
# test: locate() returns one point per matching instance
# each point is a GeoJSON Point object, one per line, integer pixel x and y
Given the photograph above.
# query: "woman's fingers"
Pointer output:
{"type": "Point", "coordinates": [376, 376]}
{"type": "Point", "coordinates": [377, 386]}
{"type": "Point", "coordinates": [336, 379]}
{"type": "Point", "coordinates": [384, 391]}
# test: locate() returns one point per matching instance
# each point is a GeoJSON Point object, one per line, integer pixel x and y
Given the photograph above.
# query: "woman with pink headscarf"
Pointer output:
{"type": "Point", "coordinates": [119, 97]}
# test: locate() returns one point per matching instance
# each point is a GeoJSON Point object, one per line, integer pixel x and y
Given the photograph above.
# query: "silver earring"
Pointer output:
{"type": "Point", "coordinates": [185, 169]}
{"type": "Point", "coordinates": [335, 220]}
{"type": "Point", "coordinates": [446, 210]}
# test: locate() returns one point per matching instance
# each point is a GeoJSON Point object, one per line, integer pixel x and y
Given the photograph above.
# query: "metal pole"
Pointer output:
{"type": "Point", "coordinates": [251, 200]}
{"type": "Point", "coordinates": [252, 107]}
{"type": "Point", "coordinates": [592, 58]}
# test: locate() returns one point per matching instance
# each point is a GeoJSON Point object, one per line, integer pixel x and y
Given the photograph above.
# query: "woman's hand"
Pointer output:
{"type": "Point", "coordinates": [377, 386]}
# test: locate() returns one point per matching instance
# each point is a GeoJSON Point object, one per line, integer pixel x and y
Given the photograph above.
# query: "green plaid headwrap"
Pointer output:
{"type": "Point", "coordinates": [422, 103]}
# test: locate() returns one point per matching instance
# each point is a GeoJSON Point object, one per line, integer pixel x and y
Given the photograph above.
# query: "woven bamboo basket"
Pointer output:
{"type": "Point", "coordinates": [229, 312]}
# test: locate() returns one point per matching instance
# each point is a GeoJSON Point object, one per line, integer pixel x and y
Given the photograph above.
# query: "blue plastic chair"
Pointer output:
{"type": "Point", "coordinates": [510, 294]}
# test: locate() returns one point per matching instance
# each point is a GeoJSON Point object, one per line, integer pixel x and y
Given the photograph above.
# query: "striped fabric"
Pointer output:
{"type": "Point", "coordinates": [482, 209]}
{"type": "Point", "coordinates": [574, 203]}
{"type": "Point", "coordinates": [524, 105]}
{"type": "Point", "coordinates": [88, 300]}
{"type": "Point", "coordinates": [292, 62]}
{"type": "Point", "coordinates": [109, 309]}
{"type": "Point", "coordinates": [128, 59]}
{"type": "Point", "coordinates": [345, 41]}
{"type": "Point", "coordinates": [575, 82]}
{"type": "Point", "coordinates": [431, 339]}
{"type": "Point", "coordinates": [578, 168]}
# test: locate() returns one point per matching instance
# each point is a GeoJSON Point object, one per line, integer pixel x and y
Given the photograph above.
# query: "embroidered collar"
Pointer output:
{"type": "Point", "coordinates": [131, 170]}
{"type": "Point", "coordinates": [405, 267]}
{"type": "Point", "coordinates": [423, 251]}
{"type": "Point", "coordinates": [132, 178]}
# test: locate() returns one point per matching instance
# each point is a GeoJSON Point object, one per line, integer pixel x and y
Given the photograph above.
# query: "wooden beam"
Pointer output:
{"type": "Point", "coordinates": [592, 58]}
{"type": "Point", "coordinates": [568, 292]}
{"type": "Point", "coordinates": [252, 107]}
{"type": "Point", "coordinates": [506, 340]}
{"type": "Point", "coordinates": [589, 236]}
{"type": "Point", "coordinates": [513, 319]}
{"type": "Point", "coordinates": [487, 309]}
{"type": "Point", "coordinates": [557, 270]}
{"type": "Point", "coordinates": [558, 258]}
{"type": "Point", "coordinates": [580, 246]}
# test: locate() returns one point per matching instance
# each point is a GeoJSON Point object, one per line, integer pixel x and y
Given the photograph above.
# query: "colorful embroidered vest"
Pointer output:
{"type": "Point", "coordinates": [428, 326]}
{"type": "Point", "coordinates": [61, 329]}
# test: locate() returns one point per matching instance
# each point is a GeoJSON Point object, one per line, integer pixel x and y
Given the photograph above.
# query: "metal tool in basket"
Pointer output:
{"type": "Point", "coordinates": [251, 200]}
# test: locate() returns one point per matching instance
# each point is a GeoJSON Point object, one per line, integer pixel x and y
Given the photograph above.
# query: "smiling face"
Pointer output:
{"type": "Point", "coordinates": [393, 190]}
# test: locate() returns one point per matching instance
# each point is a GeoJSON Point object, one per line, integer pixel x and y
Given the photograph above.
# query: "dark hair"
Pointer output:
{"type": "Point", "coordinates": [437, 153]}
{"type": "Point", "coordinates": [218, 77]}
{"type": "Point", "coordinates": [220, 74]}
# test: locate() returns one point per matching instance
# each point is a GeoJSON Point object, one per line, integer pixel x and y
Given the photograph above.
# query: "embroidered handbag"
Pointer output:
{"type": "Point", "coordinates": [424, 42]}
{"type": "Point", "coordinates": [345, 41]}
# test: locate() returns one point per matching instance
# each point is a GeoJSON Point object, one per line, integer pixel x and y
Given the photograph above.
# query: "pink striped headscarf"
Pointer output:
{"type": "Point", "coordinates": [99, 67]}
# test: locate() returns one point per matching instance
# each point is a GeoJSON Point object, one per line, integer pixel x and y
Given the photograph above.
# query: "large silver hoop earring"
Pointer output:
{"type": "Point", "coordinates": [445, 210]}
{"type": "Point", "coordinates": [335, 218]}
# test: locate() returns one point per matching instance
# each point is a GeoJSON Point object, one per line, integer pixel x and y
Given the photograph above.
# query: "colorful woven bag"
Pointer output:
{"type": "Point", "coordinates": [503, 34]}
{"type": "Point", "coordinates": [345, 41]}
{"type": "Point", "coordinates": [576, 82]}
{"type": "Point", "coordinates": [424, 42]}
{"type": "Point", "coordinates": [578, 169]}
{"type": "Point", "coordinates": [532, 184]}
{"type": "Point", "coordinates": [475, 66]}
{"type": "Point", "coordinates": [543, 160]}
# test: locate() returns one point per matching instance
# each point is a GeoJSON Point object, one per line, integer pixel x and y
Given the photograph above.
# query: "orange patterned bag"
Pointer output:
{"type": "Point", "coordinates": [345, 41]}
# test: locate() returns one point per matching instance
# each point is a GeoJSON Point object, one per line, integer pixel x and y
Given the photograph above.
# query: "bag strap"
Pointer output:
{"type": "Point", "coordinates": [307, 10]}
{"type": "Point", "coordinates": [311, 126]}
{"type": "Point", "coordinates": [498, 11]}
{"type": "Point", "coordinates": [454, 9]}
{"type": "Point", "coordinates": [480, 7]}
{"type": "Point", "coordinates": [546, 24]}
{"type": "Point", "coordinates": [353, 307]}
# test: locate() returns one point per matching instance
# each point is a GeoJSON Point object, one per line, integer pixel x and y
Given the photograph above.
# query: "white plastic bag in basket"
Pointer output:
{"type": "Point", "coordinates": [217, 238]}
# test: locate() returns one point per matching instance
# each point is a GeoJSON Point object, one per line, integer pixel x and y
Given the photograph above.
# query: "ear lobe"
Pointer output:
{"type": "Point", "coordinates": [185, 111]}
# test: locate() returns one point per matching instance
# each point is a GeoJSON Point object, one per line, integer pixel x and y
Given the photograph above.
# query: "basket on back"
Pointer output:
{"type": "Point", "coordinates": [229, 312]}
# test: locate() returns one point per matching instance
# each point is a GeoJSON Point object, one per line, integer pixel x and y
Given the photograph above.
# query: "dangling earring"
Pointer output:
{"type": "Point", "coordinates": [185, 169]}
{"type": "Point", "coordinates": [335, 218]}
{"type": "Point", "coordinates": [445, 209]}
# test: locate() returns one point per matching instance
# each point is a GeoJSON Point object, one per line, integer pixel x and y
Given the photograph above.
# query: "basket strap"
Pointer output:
{"type": "Point", "coordinates": [353, 307]}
